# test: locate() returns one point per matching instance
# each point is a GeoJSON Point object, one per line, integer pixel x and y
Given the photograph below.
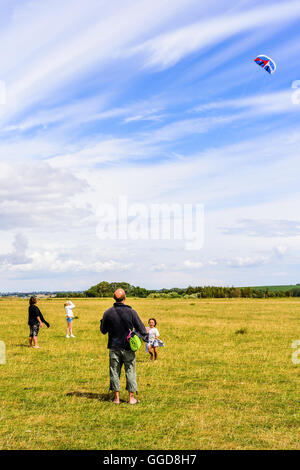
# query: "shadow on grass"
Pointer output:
{"type": "Point", "coordinates": [94, 396]}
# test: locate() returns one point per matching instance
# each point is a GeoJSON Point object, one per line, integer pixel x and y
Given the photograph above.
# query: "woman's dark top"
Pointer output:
{"type": "Point", "coordinates": [34, 312]}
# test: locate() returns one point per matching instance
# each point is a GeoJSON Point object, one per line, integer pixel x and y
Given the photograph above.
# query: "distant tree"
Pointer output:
{"type": "Point", "coordinates": [234, 292]}
{"type": "Point", "coordinates": [246, 292]}
{"type": "Point", "coordinates": [296, 292]}
{"type": "Point", "coordinates": [258, 293]}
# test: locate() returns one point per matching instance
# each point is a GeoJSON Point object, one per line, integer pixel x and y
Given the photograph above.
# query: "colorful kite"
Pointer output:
{"type": "Point", "coordinates": [266, 63]}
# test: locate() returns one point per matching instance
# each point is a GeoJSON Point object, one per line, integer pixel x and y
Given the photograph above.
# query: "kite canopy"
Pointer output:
{"type": "Point", "coordinates": [266, 63]}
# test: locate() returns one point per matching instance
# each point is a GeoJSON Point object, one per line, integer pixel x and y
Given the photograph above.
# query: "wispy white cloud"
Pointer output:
{"type": "Point", "coordinates": [185, 127]}
{"type": "Point", "coordinates": [248, 261]}
{"type": "Point", "coordinates": [264, 228]}
{"type": "Point", "coordinates": [151, 115]}
{"type": "Point", "coordinates": [259, 104]}
{"type": "Point", "coordinates": [212, 262]}
{"type": "Point", "coordinates": [52, 53]}
{"type": "Point", "coordinates": [193, 264]}
{"type": "Point", "coordinates": [49, 262]}
{"type": "Point", "coordinates": [158, 267]}
{"type": "Point", "coordinates": [23, 259]}
{"type": "Point", "coordinates": [105, 151]}
{"type": "Point", "coordinates": [280, 250]}
{"type": "Point", "coordinates": [167, 49]}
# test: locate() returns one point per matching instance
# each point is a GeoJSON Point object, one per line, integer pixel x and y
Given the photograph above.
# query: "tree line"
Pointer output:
{"type": "Point", "coordinates": [106, 289]}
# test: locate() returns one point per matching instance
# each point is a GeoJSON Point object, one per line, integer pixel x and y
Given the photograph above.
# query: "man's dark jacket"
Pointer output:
{"type": "Point", "coordinates": [117, 321]}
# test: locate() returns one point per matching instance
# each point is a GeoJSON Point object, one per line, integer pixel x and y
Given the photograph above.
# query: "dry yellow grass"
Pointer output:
{"type": "Point", "coordinates": [212, 388]}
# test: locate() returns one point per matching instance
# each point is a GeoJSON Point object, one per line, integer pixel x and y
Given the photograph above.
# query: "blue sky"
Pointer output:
{"type": "Point", "coordinates": [158, 102]}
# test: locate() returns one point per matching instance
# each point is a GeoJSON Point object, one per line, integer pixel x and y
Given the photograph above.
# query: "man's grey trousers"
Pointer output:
{"type": "Point", "coordinates": [118, 357]}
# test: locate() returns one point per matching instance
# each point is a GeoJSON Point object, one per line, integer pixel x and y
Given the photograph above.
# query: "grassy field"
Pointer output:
{"type": "Point", "coordinates": [225, 379]}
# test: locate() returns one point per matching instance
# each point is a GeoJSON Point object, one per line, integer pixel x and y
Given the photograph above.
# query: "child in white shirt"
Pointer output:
{"type": "Point", "coordinates": [153, 341]}
{"type": "Point", "coordinates": [70, 315]}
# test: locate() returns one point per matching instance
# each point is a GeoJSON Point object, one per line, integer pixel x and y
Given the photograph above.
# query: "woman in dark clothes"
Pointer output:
{"type": "Point", "coordinates": [35, 321]}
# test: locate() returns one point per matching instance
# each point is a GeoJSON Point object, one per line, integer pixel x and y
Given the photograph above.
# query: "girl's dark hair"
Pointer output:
{"type": "Point", "coordinates": [32, 300]}
{"type": "Point", "coordinates": [153, 320]}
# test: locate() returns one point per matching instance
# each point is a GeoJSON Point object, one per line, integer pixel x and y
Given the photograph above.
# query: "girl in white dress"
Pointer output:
{"type": "Point", "coordinates": [70, 315]}
{"type": "Point", "coordinates": [154, 342]}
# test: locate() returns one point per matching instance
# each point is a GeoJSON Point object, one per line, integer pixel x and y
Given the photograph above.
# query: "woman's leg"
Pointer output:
{"type": "Point", "coordinates": [35, 341]}
{"type": "Point", "coordinates": [30, 336]}
{"type": "Point", "coordinates": [35, 335]}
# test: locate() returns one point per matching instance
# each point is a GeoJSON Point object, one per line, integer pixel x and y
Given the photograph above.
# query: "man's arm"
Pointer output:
{"type": "Point", "coordinates": [103, 324]}
{"type": "Point", "coordinates": [140, 327]}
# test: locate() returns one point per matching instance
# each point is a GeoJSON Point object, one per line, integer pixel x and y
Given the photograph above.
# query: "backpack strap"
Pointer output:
{"type": "Point", "coordinates": [123, 321]}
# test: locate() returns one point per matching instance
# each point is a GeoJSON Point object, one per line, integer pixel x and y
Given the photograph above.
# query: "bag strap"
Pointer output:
{"type": "Point", "coordinates": [123, 321]}
{"type": "Point", "coordinates": [131, 332]}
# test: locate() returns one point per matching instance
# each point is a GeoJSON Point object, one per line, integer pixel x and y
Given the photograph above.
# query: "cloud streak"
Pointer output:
{"type": "Point", "coordinates": [264, 228]}
{"type": "Point", "coordinates": [167, 49]}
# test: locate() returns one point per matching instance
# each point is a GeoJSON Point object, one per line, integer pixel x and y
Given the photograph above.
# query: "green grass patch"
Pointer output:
{"type": "Point", "coordinates": [225, 379]}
